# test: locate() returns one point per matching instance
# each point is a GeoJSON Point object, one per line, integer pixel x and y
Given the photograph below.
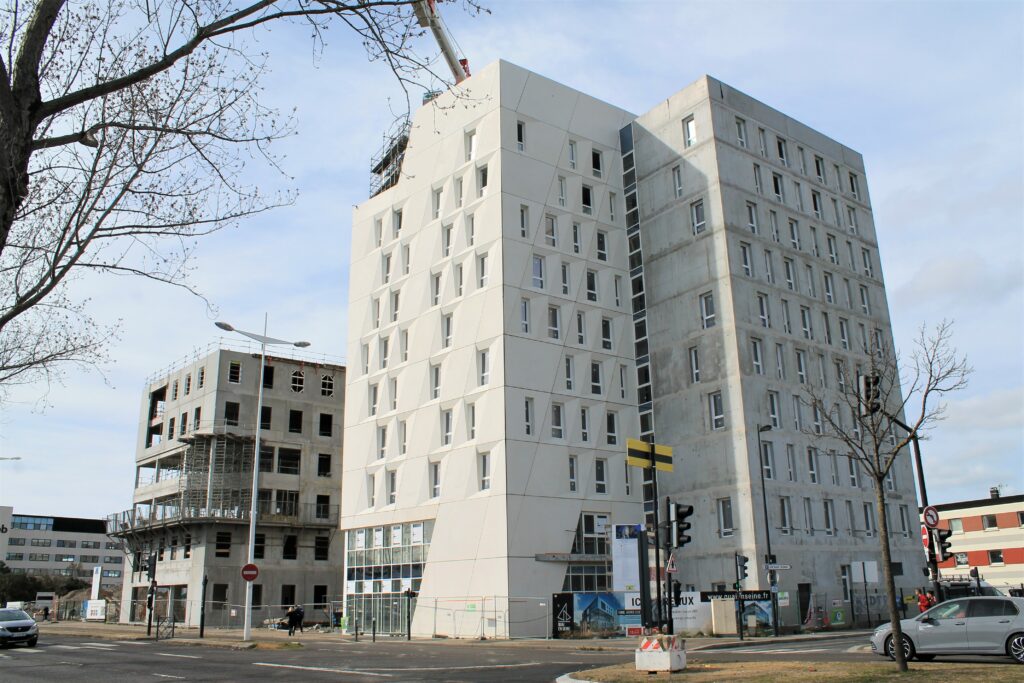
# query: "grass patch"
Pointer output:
{"type": "Point", "coordinates": [287, 645]}
{"type": "Point", "coordinates": [842, 672]}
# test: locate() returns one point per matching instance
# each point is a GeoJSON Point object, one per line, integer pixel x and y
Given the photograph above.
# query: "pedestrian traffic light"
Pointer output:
{"type": "Point", "coordinates": [942, 544]}
{"type": "Point", "coordinates": [677, 524]}
{"type": "Point", "coordinates": [870, 390]}
{"type": "Point", "coordinates": [741, 567]}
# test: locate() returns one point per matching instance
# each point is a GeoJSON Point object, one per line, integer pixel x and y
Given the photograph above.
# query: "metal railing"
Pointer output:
{"type": "Point", "coordinates": [296, 514]}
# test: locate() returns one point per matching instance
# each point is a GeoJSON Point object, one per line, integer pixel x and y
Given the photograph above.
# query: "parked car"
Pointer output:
{"type": "Point", "coordinates": [16, 626]}
{"type": "Point", "coordinates": [963, 626]}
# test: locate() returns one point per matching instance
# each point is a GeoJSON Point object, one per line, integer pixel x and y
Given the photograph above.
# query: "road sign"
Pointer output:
{"type": "Point", "coordinates": [775, 589]}
{"type": "Point", "coordinates": [250, 572]}
{"type": "Point", "coordinates": [931, 517]}
{"type": "Point", "coordinates": [638, 454]}
{"type": "Point", "coordinates": [671, 567]}
{"type": "Point", "coordinates": [924, 537]}
{"type": "Point", "coordinates": [776, 567]}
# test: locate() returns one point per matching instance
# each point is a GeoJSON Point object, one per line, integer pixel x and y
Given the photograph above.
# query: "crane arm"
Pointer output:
{"type": "Point", "coordinates": [427, 17]}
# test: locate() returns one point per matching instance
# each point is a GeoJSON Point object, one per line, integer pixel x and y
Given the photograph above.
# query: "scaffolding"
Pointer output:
{"type": "Point", "coordinates": [386, 165]}
{"type": "Point", "coordinates": [216, 477]}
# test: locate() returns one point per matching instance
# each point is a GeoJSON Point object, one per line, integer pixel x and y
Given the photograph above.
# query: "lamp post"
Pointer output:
{"type": "Point", "coordinates": [769, 557]}
{"type": "Point", "coordinates": [264, 340]}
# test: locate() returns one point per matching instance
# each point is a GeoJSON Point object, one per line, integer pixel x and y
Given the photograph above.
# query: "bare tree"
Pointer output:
{"type": "Point", "coordinates": [126, 130]}
{"type": "Point", "coordinates": [878, 425]}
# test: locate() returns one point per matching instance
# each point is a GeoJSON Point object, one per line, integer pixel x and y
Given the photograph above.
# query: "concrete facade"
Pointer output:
{"type": "Point", "coordinates": [192, 497]}
{"type": "Point", "coordinates": [757, 239]}
{"type": "Point", "coordinates": [523, 204]}
{"type": "Point", "coordinates": [60, 546]}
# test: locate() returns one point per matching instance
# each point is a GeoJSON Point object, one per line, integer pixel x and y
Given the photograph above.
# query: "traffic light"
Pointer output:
{"type": "Point", "coordinates": [677, 593]}
{"type": "Point", "coordinates": [151, 567]}
{"type": "Point", "coordinates": [870, 390]}
{"type": "Point", "coordinates": [942, 544]}
{"type": "Point", "coordinates": [741, 567]}
{"type": "Point", "coordinates": [677, 524]}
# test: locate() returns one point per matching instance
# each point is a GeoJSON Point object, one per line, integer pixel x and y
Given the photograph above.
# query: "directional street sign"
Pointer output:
{"type": "Point", "coordinates": [776, 567]}
{"type": "Point", "coordinates": [638, 454]}
{"type": "Point", "coordinates": [931, 517]}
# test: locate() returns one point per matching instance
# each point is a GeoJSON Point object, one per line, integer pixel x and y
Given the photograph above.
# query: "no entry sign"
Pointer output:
{"type": "Point", "coordinates": [250, 572]}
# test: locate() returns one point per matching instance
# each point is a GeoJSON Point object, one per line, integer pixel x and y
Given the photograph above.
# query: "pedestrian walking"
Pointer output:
{"type": "Point", "coordinates": [922, 601]}
{"type": "Point", "coordinates": [932, 600]}
{"type": "Point", "coordinates": [292, 617]}
{"type": "Point", "coordinates": [300, 616]}
{"type": "Point", "coordinates": [46, 614]}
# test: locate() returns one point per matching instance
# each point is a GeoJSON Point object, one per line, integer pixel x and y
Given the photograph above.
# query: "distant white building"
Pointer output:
{"type": "Point", "coordinates": [48, 545]}
{"type": "Point", "coordinates": [193, 485]}
{"type": "Point", "coordinates": [541, 276]}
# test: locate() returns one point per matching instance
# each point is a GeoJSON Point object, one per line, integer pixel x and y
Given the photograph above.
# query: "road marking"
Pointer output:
{"type": "Point", "coordinates": [95, 647]}
{"type": "Point", "coordinates": [467, 668]}
{"type": "Point", "coordinates": [776, 651]}
{"type": "Point", "coordinates": [64, 647]}
{"type": "Point", "coordinates": [320, 668]}
{"type": "Point", "coordinates": [103, 645]}
{"type": "Point", "coordinates": [180, 678]}
{"type": "Point", "coordinates": [131, 642]}
{"type": "Point", "coordinates": [27, 651]}
{"type": "Point", "coordinates": [859, 648]}
{"type": "Point", "coordinates": [168, 654]}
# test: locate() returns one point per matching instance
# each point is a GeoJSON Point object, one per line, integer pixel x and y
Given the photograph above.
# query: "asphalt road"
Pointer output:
{"type": "Point", "coordinates": [67, 659]}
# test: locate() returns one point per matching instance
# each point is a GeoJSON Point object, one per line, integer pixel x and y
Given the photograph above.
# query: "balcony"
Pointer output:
{"type": "Point", "coordinates": [270, 513]}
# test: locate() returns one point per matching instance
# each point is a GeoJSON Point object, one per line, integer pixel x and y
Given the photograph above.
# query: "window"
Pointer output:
{"type": "Point", "coordinates": [956, 526]}
{"type": "Point", "coordinates": [435, 480]}
{"type": "Point", "coordinates": [587, 199]}
{"type": "Point", "coordinates": [602, 245]}
{"type": "Point", "coordinates": [597, 162]}
{"type": "Point", "coordinates": [528, 416]}
{"type": "Point", "coordinates": [484, 470]}
{"type": "Point", "coordinates": [869, 520]}
{"type": "Point", "coordinates": [550, 231]}
{"type": "Point", "coordinates": [538, 272]}
{"type": "Point", "coordinates": [741, 132]}
{"type": "Point", "coordinates": [458, 192]}
{"type": "Point", "coordinates": [787, 266]}
{"type": "Point", "coordinates": [816, 203]}
{"type": "Point", "coordinates": [768, 459]}
{"type": "Point", "coordinates": [677, 181]}
{"type": "Point", "coordinates": [458, 281]}
{"type": "Point", "coordinates": [773, 409]}
{"type": "Point", "coordinates": [757, 180]}
{"type": "Point", "coordinates": [830, 517]}
{"type": "Point", "coordinates": [481, 174]}
{"type": "Point", "coordinates": [471, 419]}
{"type": "Point", "coordinates": [327, 385]}
{"type": "Point", "coordinates": [575, 238]}
{"type": "Point", "coordinates": [581, 336]}
{"type": "Point", "coordinates": [869, 270]}
{"type": "Point", "coordinates": [446, 331]}
{"type": "Point", "coordinates": [396, 223]}
{"type": "Point", "coordinates": [446, 240]}
{"type": "Point", "coordinates": [995, 557]}
{"type": "Point", "coordinates": [584, 424]}
{"type": "Point", "coordinates": [326, 424]}
{"type": "Point", "coordinates": [851, 219]}
{"type": "Point", "coordinates": [689, 132]}
{"type": "Point", "coordinates": [406, 259]}
{"type": "Point", "coordinates": [188, 384]}
{"type": "Point", "coordinates": [780, 145]}
{"type": "Point", "coordinates": [779, 188]}
{"type": "Point", "coordinates": [557, 431]}
{"type": "Point", "coordinates": [865, 300]}
{"type": "Point", "coordinates": [707, 310]}
{"type": "Point", "coordinates": [752, 217]}
{"type": "Point", "coordinates": [402, 433]}
{"type": "Point", "coordinates": [288, 460]}
{"type": "Point", "coordinates": [234, 372]}
{"type": "Point", "coordinates": [797, 413]}
{"type": "Point", "coordinates": [854, 186]}
{"type": "Point", "coordinates": [570, 373]}
{"type": "Point", "coordinates": [481, 270]}
{"type": "Point", "coordinates": [470, 224]}
{"type": "Point", "coordinates": [819, 170]}
{"type": "Point", "coordinates": [748, 268]}
{"type": "Point", "coordinates": [606, 334]}
{"type": "Point", "coordinates": [435, 289]}
{"type": "Point", "coordinates": [794, 235]}
{"type": "Point", "coordinates": [989, 523]}
{"type": "Point", "coordinates": [565, 277]}
{"type": "Point", "coordinates": [786, 322]}
{"type": "Point", "coordinates": [829, 288]}
{"type": "Point", "coordinates": [391, 481]}
{"type": "Point", "coordinates": [785, 516]}
{"type": "Point", "coordinates": [290, 551]}
{"type": "Point", "coordinates": [697, 221]}
{"type": "Point", "coordinates": [435, 381]}
{"type": "Point", "coordinates": [812, 465]}
{"type": "Point", "coordinates": [716, 410]}
{"type": "Point", "coordinates": [844, 334]}
{"type": "Point", "coordinates": [769, 270]}
{"type": "Point", "coordinates": [231, 413]}
{"type": "Point", "coordinates": [801, 366]}
{"type": "Point", "coordinates": [483, 367]}
{"type": "Point", "coordinates": [595, 378]}
{"type": "Point", "coordinates": [762, 310]}
{"type": "Point", "coordinates": [591, 285]}
{"type": "Point", "coordinates": [223, 544]}
{"type": "Point", "coordinates": [561, 191]}
{"type": "Point", "coordinates": [694, 364]}
{"type": "Point", "coordinates": [572, 154]}
{"type": "Point", "coordinates": [520, 136]}
{"type": "Point", "coordinates": [725, 527]}
{"type": "Point", "coordinates": [805, 322]}
{"type": "Point", "coordinates": [612, 425]}
{"type": "Point", "coordinates": [373, 391]}
{"type": "Point", "coordinates": [755, 356]}
{"type": "Point", "coordinates": [600, 475]}
{"type": "Point", "coordinates": [773, 224]}
{"type": "Point", "coordinates": [470, 146]}
{"type": "Point", "coordinates": [573, 467]}
{"type": "Point", "coordinates": [195, 417]}
{"type": "Point", "coordinates": [524, 315]}
{"type": "Point", "coordinates": [780, 361]}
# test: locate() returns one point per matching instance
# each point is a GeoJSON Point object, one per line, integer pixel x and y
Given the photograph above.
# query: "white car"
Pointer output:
{"type": "Point", "coordinates": [16, 626]}
{"type": "Point", "coordinates": [964, 626]}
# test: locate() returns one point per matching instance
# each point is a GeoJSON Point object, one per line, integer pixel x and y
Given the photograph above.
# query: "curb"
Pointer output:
{"type": "Point", "coordinates": [775, 641]}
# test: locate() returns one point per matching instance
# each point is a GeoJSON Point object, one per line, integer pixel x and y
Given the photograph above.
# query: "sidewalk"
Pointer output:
{"type": "Point", "coordinates": [218, 637]}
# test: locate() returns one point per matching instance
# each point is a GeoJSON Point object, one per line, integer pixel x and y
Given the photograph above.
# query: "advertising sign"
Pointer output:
{"type": "Point", "coordinates": [95, 610]}
{"type": "Point", "coordinates": [625, 561]}
{"type": "Point", "coordinates": [691, 615]}
{"type": "Point", "coordinates": [595, 613]}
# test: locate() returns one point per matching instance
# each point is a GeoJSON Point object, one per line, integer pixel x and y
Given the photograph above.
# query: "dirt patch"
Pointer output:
{"type": "Point", "coordinates": [288, 645]}
{"type": "Point", "coordinates": [843, 672]}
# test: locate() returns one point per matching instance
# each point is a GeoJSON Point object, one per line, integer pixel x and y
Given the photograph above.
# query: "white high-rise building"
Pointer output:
{"type": "Point", "coordinates": [520, 306]}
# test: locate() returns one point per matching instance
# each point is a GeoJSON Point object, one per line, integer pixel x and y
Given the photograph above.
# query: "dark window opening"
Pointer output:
{"type": "Point", "coordinates": [231, 414]}
{"type": "Point", "coordinates": [265, 413]}
{"type": "Point", "coordinates": [259, 546]}
{"type": "Point", "coordinates": [326, 424]}
{"type": "Point", "coordinates": [291, 552]}
{"type": "Point", "coordinates": [268, 377]}
{"type": "Point", "coordinates": [295, 421]}
{"type": "Point", "coordinates": [322, 548]}
{"type": "Point", "coordinates": [323, 465]}
{"type": "Point", "coordinates": [288, 460]}
{"type": "Point", "coordinates": [223, 548]}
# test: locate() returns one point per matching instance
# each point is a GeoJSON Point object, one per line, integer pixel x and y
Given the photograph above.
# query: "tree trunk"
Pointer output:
{"type": "Point", "coordinates": [890, 585]}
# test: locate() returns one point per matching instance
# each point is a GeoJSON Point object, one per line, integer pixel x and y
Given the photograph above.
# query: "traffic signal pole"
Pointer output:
{"type": "Point", "coordinates": [933, 564]}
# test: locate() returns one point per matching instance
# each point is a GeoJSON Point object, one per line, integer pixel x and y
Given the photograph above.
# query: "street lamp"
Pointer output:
{"type": "Point", "coordinates": [769, 558]}
{"type": "Point", "coordinates": [264, 340]}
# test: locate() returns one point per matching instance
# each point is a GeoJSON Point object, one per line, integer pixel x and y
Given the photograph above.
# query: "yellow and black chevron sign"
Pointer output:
{"type": "Point", "coordinates": [638, 454]}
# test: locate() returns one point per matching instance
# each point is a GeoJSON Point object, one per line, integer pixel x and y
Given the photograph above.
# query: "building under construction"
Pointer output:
{"type": "Point", "coordinates": [193, 483]}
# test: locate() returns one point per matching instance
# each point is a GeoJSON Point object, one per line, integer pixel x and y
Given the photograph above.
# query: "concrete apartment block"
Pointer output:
{"type": "Point", "coordinates": [192, 497]}
{"type": "Point", "coordinates": [526, 293]}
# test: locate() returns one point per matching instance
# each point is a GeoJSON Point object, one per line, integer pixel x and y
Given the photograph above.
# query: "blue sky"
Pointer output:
{"type": "Point", "coordinates": [929, 92]}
